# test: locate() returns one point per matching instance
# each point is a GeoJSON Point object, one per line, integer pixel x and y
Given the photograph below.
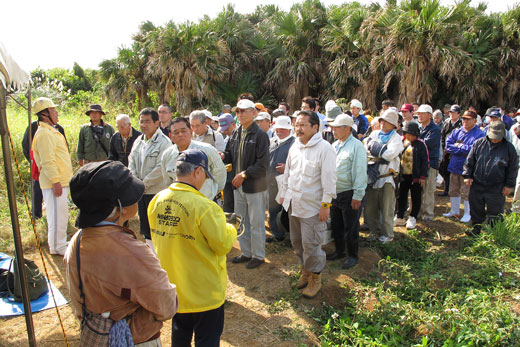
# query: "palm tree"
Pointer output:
{"type": "Point", "coordinates": [192, 59]}
{"type": "Point", "coordinates": [300, 68]}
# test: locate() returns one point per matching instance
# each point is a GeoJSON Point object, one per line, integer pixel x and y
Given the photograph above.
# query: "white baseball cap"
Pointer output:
{"type": "Point", "coordinates": [262, 116]}
{"type": "Point", "coordinates": [283, 122]}
{"type": "Point", "coordinates": [244, 104]}
{"type": "Point", "coordinates": [342, 120]}
{"type": "Point", "coordinates": [425, 108]}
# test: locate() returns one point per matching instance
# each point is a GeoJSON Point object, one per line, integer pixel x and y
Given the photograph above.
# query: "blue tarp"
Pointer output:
{"type": "Point", "coordinates": [9, 307]}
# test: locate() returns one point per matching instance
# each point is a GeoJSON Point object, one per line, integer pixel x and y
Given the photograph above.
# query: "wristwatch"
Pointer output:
{"type": "Point", "coordinates": [243, 174]}
{"type": "Point", "coordinates": [326, 204]}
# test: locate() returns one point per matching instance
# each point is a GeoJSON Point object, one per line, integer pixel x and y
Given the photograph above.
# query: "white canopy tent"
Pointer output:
{"type": "Point", "coordinates": [13, 77]}
{"type": "Point", "coordinates": [11, 74]}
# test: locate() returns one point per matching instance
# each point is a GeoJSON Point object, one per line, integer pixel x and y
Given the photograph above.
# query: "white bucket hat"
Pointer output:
{"type": "Point", "coordinates": [342, 120]}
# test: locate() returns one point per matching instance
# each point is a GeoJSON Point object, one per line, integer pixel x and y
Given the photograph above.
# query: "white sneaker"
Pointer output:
{"type": "Point", "coordinates": [399, 222]}
{"type": "Point", "coordinates": [385, 239]}
{"type": "Point", "coordinates": [411, 223]}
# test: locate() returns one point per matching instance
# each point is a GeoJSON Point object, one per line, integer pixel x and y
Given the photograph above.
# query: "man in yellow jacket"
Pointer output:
{"type": "Point", "coordinates": [52, 157]}
{"type": "Point", "coordinates": [191, 238]}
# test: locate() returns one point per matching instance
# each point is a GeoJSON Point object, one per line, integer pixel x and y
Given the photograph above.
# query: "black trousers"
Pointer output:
{"type": "Point", "coordinates": [443, 170]}
{"type": "Point", "coordinates": [480, 197]}
{"type": "Point", "coordinates": [207, 325]}
{"type": "Point", "coordinates": [415, 192]}
{"type": "Point", "coordinates": [142, 207]}
{"type": "Point", "coordinates": [229, 199]}
{"type": "Point", "coordinates": [345, 224]}
{"type": "Point", "coordinates": [37, 199]}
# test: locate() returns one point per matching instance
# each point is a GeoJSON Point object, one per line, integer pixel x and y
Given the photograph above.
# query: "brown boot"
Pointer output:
{"type": "Point", "coordinates": [313, 287]}
{"type": "Point", "coordinates": [304, 279]}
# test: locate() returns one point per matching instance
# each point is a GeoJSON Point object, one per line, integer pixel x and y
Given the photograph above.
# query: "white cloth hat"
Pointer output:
{"type": "Point", "coordinates": [342, 120]}
{"type": "Point", "coordinates": [391, 117]}
{"type": "Point", "coordinates": [356, 103]}
{"type": "Point", "coordinates": [283, 122]}
{"type": "Point", "coordinates": [262, 116]}
{"type": "Point", "coordinates": [425, 108]}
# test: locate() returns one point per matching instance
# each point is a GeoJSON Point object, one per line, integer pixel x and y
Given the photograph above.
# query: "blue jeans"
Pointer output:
{"type": "Point", "coordinates": [251, 206]}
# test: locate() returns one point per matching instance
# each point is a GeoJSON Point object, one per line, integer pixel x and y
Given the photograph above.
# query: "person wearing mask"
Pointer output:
{"type": "Point", "coordinates": [490, 171]}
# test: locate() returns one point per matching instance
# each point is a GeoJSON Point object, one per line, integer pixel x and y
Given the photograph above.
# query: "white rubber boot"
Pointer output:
{"type": "Point", "coordinates": [467, 217]}
{"type": "Point", "coordinates": [455, 207]}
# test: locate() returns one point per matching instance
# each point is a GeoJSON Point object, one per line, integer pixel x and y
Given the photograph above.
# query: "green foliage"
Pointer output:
{"type": "Point", "coordinates": [460, 297]}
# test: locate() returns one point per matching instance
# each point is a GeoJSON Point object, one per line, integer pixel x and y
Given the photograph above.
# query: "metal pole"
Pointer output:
{"type": "Point", "coordinates": [14, 216]}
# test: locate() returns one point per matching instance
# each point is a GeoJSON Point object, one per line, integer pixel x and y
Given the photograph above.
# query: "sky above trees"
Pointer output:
{"type": "Point", "coordinates": [57, 33]}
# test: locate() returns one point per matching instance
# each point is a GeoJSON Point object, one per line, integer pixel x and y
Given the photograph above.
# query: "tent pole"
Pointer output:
{"type": "Point", "coordinates": [14, 215]}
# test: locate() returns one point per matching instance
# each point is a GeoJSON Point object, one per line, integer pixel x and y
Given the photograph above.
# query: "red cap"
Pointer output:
{"type": "Point", "coordinates": [407, 107]}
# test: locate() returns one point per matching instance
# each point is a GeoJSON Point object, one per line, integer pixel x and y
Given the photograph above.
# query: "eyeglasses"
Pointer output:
{"type": "Point", "coordinates": [239, 110]}
{"type": "Point", "coordinates": [301, 125]}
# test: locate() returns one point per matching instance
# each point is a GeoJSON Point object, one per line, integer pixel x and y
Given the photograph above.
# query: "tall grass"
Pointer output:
{"type": "Point", "coordinates": [71, 117]}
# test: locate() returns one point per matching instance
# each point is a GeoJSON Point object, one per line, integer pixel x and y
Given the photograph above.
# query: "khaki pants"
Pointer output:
{"type": "Point", "coordinates": [307, 237]}
{"type": "Point", "coordinates": [428, 195]}
{"type": "Point", "coordinates": [458, 187]}
{"type": "Point", "coordinates": [379, 210]}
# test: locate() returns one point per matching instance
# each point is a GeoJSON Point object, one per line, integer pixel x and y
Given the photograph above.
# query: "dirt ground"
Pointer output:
{"type": "Point", "coordinates": [262, 307]}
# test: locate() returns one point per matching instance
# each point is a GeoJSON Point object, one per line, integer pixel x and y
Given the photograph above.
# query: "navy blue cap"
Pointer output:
{"type": "Point", "coordinates": [495, 113]}
{"type": "Point", "coordinates": [195, 157]}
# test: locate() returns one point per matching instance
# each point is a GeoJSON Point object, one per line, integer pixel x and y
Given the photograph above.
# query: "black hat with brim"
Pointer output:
{"type": "Point", "coordinates": [99, 187]}
{"type": "Point", "coordinates": [96, 108]}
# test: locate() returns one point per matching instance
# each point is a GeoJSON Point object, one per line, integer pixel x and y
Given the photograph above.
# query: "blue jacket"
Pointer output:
{"type": "Point", "coordinates": [508, 122]}
{"type": "Point", "coordinates": [431, 135]}
{"type": "Point", "coordinates": [459, 144]}
{"type": "Point", "coordinates": [362, 123]}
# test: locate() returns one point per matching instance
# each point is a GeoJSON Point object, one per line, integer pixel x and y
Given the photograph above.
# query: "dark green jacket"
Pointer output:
{"type": "Point", "coordinates": [92, 148]}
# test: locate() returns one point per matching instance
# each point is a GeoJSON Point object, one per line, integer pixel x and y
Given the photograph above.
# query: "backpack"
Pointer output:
{"type": "Point", "coordinates": [36, 282]}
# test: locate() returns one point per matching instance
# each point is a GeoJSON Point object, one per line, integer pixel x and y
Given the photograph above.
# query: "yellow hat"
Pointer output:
{"type": "Point", "coordinates": [41, 104]}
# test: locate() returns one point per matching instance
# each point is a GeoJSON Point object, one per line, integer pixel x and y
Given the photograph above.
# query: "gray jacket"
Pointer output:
{"type": "Point", "coordinates": [145, 161]}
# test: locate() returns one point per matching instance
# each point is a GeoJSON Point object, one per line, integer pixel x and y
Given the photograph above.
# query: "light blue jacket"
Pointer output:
{"type": "Point", "coordinates": [351, 166]}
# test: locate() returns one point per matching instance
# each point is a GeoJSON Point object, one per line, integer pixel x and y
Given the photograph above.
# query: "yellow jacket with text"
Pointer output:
{"type": "Point", "coordinates": [191, 238]}
{"type": "Point", "coordinates": [52, 157]}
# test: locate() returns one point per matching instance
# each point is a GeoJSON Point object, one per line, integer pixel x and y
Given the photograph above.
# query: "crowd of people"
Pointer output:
{"type": "Point", "coordinates": [195, 180]}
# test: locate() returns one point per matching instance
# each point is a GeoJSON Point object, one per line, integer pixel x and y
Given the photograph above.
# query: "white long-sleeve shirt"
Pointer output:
{"type": "Point", "coordinates": [216, 167]}
{"type": "Point", "coordinates": [310, 177]}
